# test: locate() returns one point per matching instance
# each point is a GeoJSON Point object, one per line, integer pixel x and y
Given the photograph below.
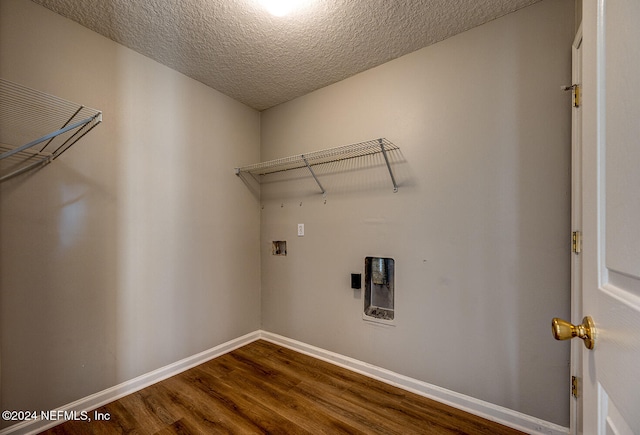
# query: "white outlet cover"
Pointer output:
{"type": "Point", "coordinates": [300, 229]}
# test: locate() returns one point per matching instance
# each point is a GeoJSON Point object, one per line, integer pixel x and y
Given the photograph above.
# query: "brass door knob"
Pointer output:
{"type": "Point", "coordinates": [563, 330]}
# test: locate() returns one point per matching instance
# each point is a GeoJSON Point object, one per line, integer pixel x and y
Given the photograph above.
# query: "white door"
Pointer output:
{"type": "Point", "coordinates": [611, 215]}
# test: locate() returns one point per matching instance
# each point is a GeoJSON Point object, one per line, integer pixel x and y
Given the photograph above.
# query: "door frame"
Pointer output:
{"type": "Point", "coordinates": [576, 225]}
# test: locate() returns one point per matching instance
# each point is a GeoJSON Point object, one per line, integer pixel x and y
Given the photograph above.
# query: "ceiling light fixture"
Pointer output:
{"type": "Point", "coordinates": [280, 8]}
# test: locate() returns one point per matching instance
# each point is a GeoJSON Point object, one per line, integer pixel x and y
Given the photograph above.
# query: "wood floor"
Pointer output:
{"type": "Point", "coordinates": [264, 388]}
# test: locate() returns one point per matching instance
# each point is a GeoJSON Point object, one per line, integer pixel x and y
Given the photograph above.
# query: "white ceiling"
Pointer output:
{"type": "Point", "coordinates": [238, 48]}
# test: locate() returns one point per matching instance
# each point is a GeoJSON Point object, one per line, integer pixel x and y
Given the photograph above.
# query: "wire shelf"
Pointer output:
{"type": "Point", "coordinates": [36, 128]}
{"type": "Point", "coordinates": [322, 157]}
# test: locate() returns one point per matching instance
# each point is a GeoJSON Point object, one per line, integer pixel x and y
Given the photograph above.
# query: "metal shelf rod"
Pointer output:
{"type": "Point", "coordinates": [45, 137]}
{"type": "Point", "coordinates": [65, 124]}
{"type": "Point", "coordinates": [313, 174]}
{"type": "Point", "coordinates": [386, 159]}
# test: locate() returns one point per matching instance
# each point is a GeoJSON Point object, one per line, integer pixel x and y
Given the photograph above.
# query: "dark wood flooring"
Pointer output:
{"type": "Point", "coordinates": [263, 388]}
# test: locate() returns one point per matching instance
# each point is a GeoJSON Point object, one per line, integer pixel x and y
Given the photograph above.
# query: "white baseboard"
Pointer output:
{"type": "Point", "coordinates": [498, 414]}
{"type": "Point", "coordinates": [101, 398]}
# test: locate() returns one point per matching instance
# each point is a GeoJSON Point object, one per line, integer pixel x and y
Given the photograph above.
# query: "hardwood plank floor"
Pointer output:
{"type": "Point", "coordinates": [263, 388]}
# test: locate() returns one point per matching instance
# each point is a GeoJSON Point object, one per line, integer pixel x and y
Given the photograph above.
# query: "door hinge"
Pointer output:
{"type": "Point", "coordinates": [574, 386]}
{"type": "Point", "coordinates": [575, 90]}
{"type": "Point", "coordinates": [576, 242]}
{"type": "Point", "coordinates": [576, 95]}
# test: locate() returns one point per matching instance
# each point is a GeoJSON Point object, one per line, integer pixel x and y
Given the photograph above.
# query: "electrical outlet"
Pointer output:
{"type": "Point", "coordinates": [300, 230]}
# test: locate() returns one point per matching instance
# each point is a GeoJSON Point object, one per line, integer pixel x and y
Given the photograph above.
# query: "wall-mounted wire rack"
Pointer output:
{"type": "Point", "coordinates": [322, 157]}
{"type": "Point", "coordinates": [36, 128]}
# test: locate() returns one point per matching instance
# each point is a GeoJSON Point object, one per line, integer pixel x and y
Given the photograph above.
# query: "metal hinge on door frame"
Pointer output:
{"type": "Point", "coordinates": [576, 242]}
{"type": "Point", "coordinates": [575, 89]}
{"type": "Point", "coordinates": [574, 386]}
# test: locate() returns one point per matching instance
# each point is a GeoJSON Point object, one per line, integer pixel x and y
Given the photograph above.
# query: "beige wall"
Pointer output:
{"type": "Point", "coordinates": [478, 229]}
{"type": "Point", "coordinates": [139, 246]}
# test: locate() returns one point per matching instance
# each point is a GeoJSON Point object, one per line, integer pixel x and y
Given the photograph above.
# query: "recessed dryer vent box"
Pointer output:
{"type": "Point", "coordinates": [379, 289]}
{"type": "Point", "coordinates": [279, 247]}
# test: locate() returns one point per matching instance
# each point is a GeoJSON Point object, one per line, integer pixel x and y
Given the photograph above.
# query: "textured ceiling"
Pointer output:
{"type": "Point", "coordinates": [238, 48]}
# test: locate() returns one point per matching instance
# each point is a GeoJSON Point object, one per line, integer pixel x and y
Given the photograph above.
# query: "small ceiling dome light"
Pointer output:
{"type": "Point", "coordinates": [280, 8]}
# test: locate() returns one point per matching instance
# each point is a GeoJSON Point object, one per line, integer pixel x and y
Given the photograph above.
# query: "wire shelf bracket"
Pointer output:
{"type": "Point", "coordinates": [322, 157]}
{"type": "Point", "coordinates": [26, 113]}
